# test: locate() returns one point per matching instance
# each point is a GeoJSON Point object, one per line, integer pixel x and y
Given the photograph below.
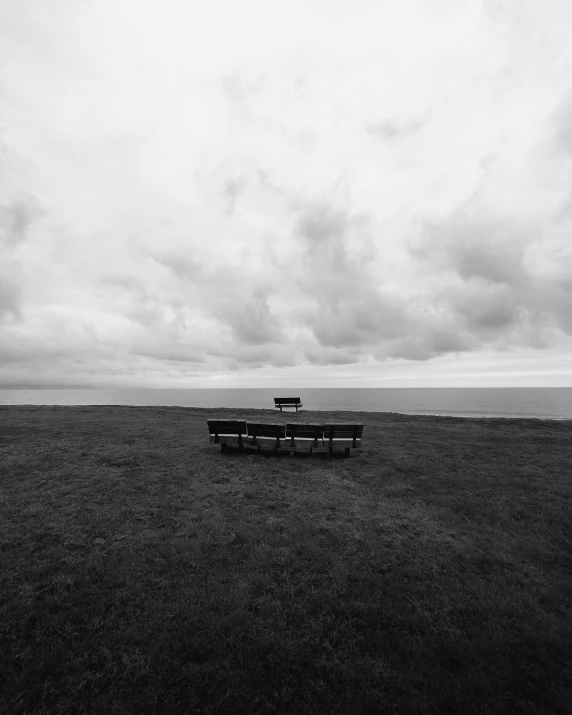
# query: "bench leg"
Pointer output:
{"type": "Point", "coordinates": [347, 452]}
{"type": "Point", "coordinates": [331, 449]}
{"type": "Point", "coordinates": [223, 447]}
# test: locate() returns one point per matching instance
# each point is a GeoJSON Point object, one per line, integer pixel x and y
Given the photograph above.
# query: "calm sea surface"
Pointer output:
{"type": "Point", "coordinates": [543, 402]}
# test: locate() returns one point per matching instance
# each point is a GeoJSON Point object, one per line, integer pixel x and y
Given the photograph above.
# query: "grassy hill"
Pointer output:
{"type": "Point", "coordinates": [142, 571]}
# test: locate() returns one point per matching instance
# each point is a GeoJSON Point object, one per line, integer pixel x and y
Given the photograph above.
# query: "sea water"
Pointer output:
{"type": "Point", "coordinates": [540, 402]}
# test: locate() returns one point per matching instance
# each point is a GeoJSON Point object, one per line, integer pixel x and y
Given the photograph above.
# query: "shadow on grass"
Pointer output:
{"type": "Point", "coordinates": [321, 455]}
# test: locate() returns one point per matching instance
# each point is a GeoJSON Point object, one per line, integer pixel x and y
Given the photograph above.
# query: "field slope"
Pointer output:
{"type": "Point", "coordinates": [142, 571]}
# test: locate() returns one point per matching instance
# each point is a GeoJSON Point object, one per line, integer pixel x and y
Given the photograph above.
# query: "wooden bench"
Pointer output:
{"type": "Point", "coordinates": [225, 432]}
{"type": "Point", "coordinates": [304, 435]}
{"type": "Point", "coordinates": [287, 402]}
{"type": "Point", "coordinates": [290, 436]}
{"type": "Point", "coordinates": [263, 434]}
{"type": "Point", "coordinates": [344, 436]}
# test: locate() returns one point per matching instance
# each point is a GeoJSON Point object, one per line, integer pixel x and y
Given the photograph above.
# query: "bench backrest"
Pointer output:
{"type": "Point", "coordinates": [304, 431]}
{"type": "Point", "coordinates": [287, 401]}
{"type": "Point", "coordinates": [343, 431]}
{"type": "Point", "coordinates": [217, 427]}
{"type": "Point", "coordinates": [263, 429]}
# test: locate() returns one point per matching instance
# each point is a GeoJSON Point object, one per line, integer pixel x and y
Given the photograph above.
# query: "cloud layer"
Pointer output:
{"type": "Point", "coordinates": [332, 193]}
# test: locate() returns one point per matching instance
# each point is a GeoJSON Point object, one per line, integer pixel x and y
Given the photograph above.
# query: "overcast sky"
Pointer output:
{"type": "Point", "coordinates": [307, 193]}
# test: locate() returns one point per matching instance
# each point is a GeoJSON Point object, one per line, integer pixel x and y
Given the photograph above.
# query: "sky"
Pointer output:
{"type": "Point", "coordinates": [312, 193]}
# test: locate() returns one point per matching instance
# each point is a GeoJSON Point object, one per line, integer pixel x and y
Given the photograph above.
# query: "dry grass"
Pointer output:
{"type": "Point", "coordinates": [142, 571]}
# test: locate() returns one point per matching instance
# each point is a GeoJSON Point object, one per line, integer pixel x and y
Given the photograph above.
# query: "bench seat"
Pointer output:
{"type": "Point", "coordinates": [343, 436]}
{"type": "Point", "coordinates": [303, 443]}
{"type": "Point", "coordinates": [343, 442]}
{"type": "Point", "coordinates": [263, 434]}
{"type": "Point", "coordinates": [304, 436]}
{"type": "Point", "coordinates": [225, 432]}
{"type": "Point", "coordinates": [264, 441]}
{"type": "Point", "coordinates": [226, 439]}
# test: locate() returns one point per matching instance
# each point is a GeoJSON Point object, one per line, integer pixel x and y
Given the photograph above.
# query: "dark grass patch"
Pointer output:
{"type": "Point", "coordinates": [142, 571]}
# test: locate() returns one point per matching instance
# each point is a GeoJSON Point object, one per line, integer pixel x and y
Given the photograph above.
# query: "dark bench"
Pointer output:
{"type": "Point", "coordinates": [264, 434]}
{"type": "Point", "coordinates": [344, 436]}
{"type": "Point", "coordinates": [304, 435]}
{"type": "Point", "coordinates": [287, 402]}
{"type": "Point", "coordinates": [225, 432]}
{"type": "Point", "coordinates": [291, 436]}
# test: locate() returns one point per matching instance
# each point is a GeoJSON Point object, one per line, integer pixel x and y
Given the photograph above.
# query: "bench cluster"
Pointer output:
{"type": "Point", "coordinates": [290, 436]}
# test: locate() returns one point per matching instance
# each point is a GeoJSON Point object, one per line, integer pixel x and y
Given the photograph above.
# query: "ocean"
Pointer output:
{"type": "Point", "coordinates": [540, 402]}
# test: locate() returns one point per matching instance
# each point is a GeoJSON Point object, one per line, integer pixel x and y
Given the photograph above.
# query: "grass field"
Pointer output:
{"type": "Point", "coordinates": [142, 571]}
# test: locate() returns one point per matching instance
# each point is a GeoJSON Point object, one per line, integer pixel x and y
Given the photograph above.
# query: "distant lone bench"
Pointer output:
{"type": "Point", "coordinates": [287, 402]}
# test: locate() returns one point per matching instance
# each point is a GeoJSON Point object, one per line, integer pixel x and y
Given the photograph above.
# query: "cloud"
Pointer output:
{"type": "Point", "coordinates": [488, 310]}
{"type": "Point", "coordinates": [495, 264]}
{"type": "Point", "coordinates": [337, 246]}
{"type": "Point", "coordinates": [359, 322]}
{"type": "Point", "coordinates": [561, 123]}
{"type": "Point", "coordinates": [254, 355]}
{"type": "Point", "coordinates": [491, 280]}
{"type": "Point", "coordinates": [184, 267]}
{"type": "Point", "coordinates": [10, 299]}
{"type": "Point", "coordinates": [330, 356]}
{"type": "Point", "coordinates": [232, 189]}
{"type": "Point", "coordinates": [26, 352]}
{"type": "Point", "coordinates": [16, 218]}
{"type": "Point", "coordinates": [562, 120]}
{"type": "Point", "coordinates": [267, 199]}
{"type": "Point", "coordinates": [238, 89]}
{"type": "Point", "coordinates": [433, 344]}
{"type": "Point", "coordinates": [348, 307]}
{"type": "Point", "coordinates": [394, 129]}
{"type": "Point", "coordinates": [222, 294]}
{"type": "Point", "coordinates": [251, 321]}
{"type": "Point", "coordinates": [169, 353]}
